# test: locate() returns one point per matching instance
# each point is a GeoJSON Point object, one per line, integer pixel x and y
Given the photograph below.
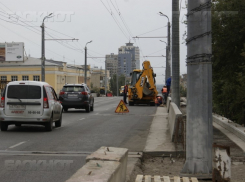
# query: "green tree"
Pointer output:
{"type": "Point", "coordinates": [113, 83]}
{"type": "Point", "coordinates": [228, 33]}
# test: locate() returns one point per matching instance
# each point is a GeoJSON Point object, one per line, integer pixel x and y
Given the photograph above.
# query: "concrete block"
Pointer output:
{"type": "Point", "coordinates": [168, 103]}
{"type": "Point", "coordinates": [112, 154]}
{"type": "Point", "coordinates": [182, 104]}
{"type": "Point", "coordinates": [236, 129]}
{"type": "Point", "coordinates": [173, 116]}
{"type": "Point", "coordinates": [183, 99]}
{"type": "Point", "coordinates": [97, 171]}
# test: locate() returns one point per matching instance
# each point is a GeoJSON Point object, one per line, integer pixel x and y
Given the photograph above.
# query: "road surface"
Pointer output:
{"type": "Point", "coordinates": [29, 153]}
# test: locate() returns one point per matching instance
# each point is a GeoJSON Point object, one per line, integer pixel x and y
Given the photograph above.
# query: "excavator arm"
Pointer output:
{"type": "Point", "coordinates": [143, 83]}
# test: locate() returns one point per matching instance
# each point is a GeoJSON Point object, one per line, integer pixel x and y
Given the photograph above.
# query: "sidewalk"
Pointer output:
{"type": "Point", "coordinates": [159, 140]}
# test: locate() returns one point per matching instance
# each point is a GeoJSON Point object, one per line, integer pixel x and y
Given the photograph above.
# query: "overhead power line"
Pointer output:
{"type": "Point", "coordinates": [152, 31]}
{"type": "Point", "coordinates": [33, 42]}
{"type": "Point", "coordinates": [119, 26]}
{"type": "Point", "coordinates": [37, 31]}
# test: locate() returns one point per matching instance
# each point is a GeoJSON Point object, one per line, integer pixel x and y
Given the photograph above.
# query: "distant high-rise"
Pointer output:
{"type": "Point", "coordinates": [111, 63]}
{"type": "Point", "coordinates": [128, 59]}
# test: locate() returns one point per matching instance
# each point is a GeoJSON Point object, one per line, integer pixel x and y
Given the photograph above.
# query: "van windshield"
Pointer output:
{"type": "Point", "coordinates": [73, 89]}
{"type": "Point", "coordinates": [24, 92]}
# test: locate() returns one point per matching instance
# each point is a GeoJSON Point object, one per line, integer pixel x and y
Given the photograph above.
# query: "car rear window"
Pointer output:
{"type": "Point", "coordinates": [24, 92]}
{"type": "Point", "coordinates": [73, 89]}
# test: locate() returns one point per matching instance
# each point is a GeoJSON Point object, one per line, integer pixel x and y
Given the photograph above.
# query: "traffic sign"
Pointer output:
{"type": "Point", "coordinates": [121, 108]}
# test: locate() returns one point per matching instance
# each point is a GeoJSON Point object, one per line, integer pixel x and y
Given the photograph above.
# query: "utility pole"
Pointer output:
{"type": "Point", "coordinates": [199, 129]}
{"type": "Point", "coordinates": [167, 68]}
{"type": "Point", "coordinates": [117, 79]}
{"type": "Point", "coordinates": [85, 69]}
{"type": "Point", "coordinates": [105, 79]}
{"type": "Point", "coordinates": [43, 55]}
{"type": "Point", "coordinates": [168, 57]}
{"type": "Point", "coordinates": [85, 66]}
{"type": "Point", "coordinates": [43, 49]}
{"type": "Point", "coordinates": [175, 53]}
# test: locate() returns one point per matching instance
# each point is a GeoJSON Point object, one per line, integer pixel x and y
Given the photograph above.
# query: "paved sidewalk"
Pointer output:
{"type": "Point", "coordinates": [159, 140]}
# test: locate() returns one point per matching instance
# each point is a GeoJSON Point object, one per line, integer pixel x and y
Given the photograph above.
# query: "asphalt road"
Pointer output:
{"type": "Point", "coordinates": [30, 154]}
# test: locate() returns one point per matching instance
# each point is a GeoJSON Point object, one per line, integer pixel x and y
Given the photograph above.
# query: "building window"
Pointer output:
{"type": "Point", "coordinates": [3, 78]}
{"type": "Point", "coordinates": [14, 78]}
{"type": "Point", "coordinates": [36, 78]}
{"type": "Point", "coordinates": [25, 78]}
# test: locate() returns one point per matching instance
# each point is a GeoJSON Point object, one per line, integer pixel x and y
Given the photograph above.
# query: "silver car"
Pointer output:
{"type": "Point", "coordinates": [30, 102]}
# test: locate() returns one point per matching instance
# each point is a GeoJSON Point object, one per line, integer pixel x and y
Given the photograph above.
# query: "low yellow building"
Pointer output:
{"type": "Point", "coordinates": [98, 76]}
{"type": "Point", "coordinates": [57, 73]}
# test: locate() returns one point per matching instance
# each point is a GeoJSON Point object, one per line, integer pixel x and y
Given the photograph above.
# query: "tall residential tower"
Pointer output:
{"type": "Point", "coordinates": [128, 59]}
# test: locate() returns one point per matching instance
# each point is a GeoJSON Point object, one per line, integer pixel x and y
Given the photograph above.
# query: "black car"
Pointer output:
{"type": "Point", "coordinates": [76, 96]}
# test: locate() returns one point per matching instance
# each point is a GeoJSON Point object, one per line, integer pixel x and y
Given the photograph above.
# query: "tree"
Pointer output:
{"type": "Point", "coordinates": [228, 24]}
{"type": "Point", "coordinates": [113, 83]}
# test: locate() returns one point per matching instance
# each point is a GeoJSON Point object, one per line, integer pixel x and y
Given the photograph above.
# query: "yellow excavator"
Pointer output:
{"type": "Point", "coordinates": [142, 89]}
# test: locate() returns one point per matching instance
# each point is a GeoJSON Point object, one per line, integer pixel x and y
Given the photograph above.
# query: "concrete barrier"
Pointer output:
{"type": "Point", "coordinates": [112, 154]}
{"type": "Point", "coordinates": [107, 164]}
{"type": "Point", "coordinates": [168, 103]}
{"type": "Point", "coordinates": [97, 171]}
{"type": "Point", "coordinates": [173, 116]}
{"type": "Point", "coordinates": [236, 129]}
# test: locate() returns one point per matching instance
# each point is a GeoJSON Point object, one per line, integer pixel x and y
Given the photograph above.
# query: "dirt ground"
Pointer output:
{"type": "Point", "coordinates": [163, 166]}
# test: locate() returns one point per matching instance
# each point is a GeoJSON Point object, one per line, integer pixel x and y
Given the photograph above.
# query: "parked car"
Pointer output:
{"type": "Point", "coordinates": [76, 96]}
{"type": "Point", "coordinates": [30, 102]}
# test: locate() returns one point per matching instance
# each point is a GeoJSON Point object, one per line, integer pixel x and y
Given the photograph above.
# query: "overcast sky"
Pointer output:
{"type": "Point", "coordinates": [91, 20]}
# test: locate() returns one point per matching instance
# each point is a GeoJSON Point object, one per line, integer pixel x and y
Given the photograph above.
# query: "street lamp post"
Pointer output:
{"type": "Point", "coordinates": [85, 69]}
{"type": "Point", "coordinates": [166, 68]}
{"type": "Point", "coordinates": [43, 49]}
{"type": "Point", "coordinates": [168, 65]}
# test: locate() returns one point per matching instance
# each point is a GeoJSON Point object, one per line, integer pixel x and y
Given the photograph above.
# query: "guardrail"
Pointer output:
{"type": "Point", "coordinates": [235, 128]}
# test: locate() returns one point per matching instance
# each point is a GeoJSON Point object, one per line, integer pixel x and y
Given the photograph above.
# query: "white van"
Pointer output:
{"type": "Point", "coordinates": [30, 102]}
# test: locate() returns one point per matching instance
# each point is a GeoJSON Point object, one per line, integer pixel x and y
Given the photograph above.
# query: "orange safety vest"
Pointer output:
{"type": "Point", "coordinates": [164, 90]}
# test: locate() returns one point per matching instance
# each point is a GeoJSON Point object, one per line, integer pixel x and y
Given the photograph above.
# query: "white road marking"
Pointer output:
{"type": "Point", "coordinates": [16, 145]}
{"type": "Point", "coordinates": [96, 114]}
{"type": "Point", "coordinates": [82, 119]}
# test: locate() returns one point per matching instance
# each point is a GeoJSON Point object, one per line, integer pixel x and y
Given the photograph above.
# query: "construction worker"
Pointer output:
{"type": "Point", "coordinates": [125, 94]}
{"type": "Point", "coordinates": [164, 93]}
{"type": "Point", "coordinates": [158, 100]}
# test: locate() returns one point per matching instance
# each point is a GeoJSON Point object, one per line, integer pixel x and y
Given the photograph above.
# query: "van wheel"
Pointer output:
{"type": "Point", "coordinates": [49, 125]}
{"type": "Point", "coordinates": [4, 126]}
{"type": "Point", "coordinates": [87, 108]}
{"type": "Point", "coordinates": [59, 122]}
{"type": "Point", "coordinates": [18, 124]}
